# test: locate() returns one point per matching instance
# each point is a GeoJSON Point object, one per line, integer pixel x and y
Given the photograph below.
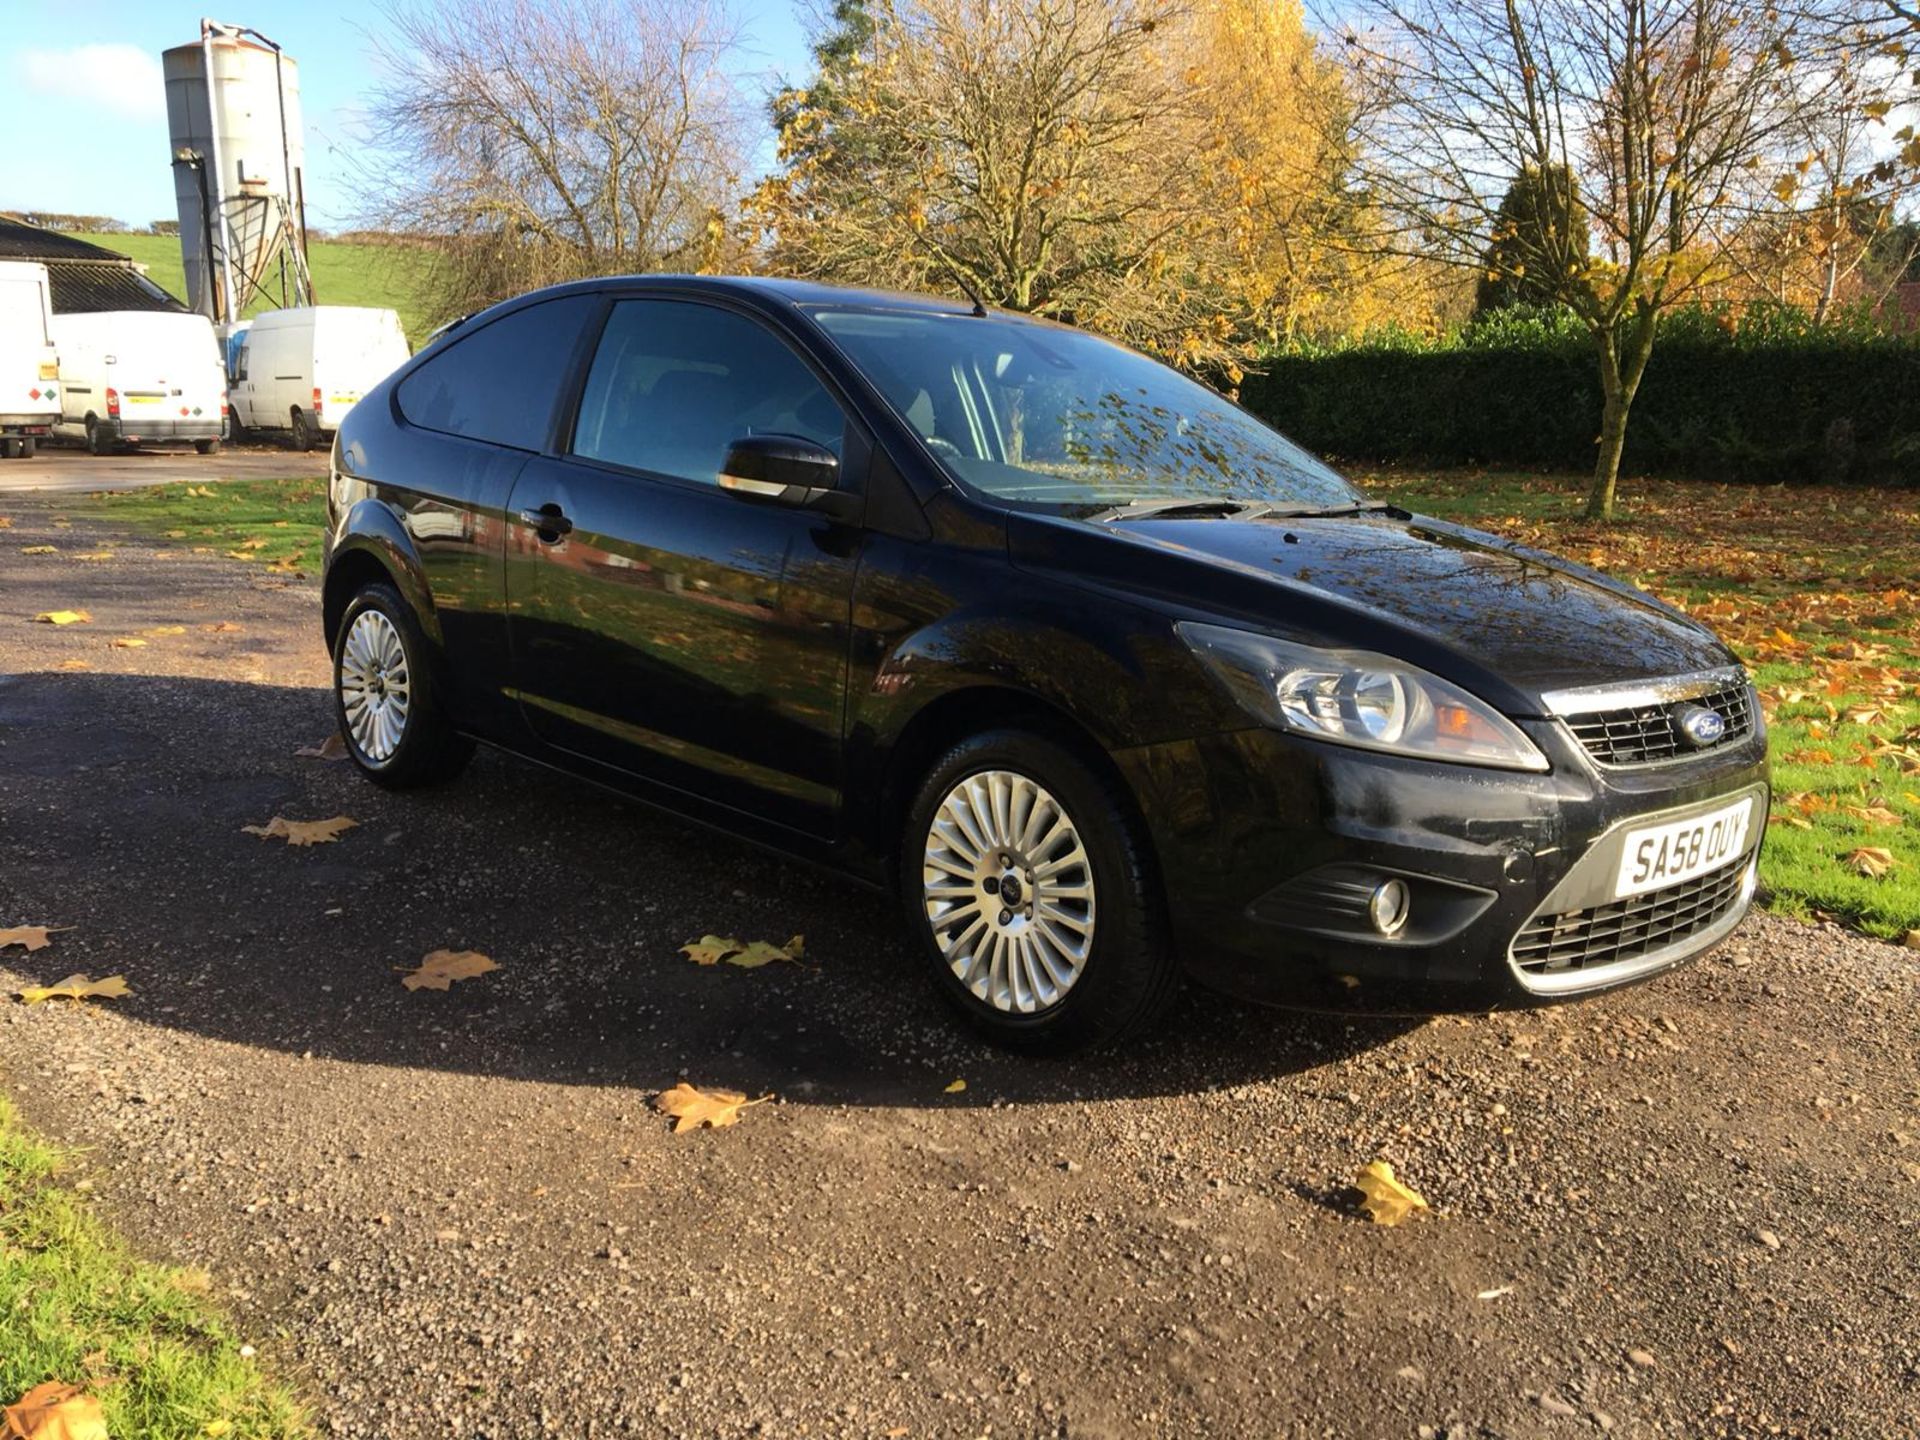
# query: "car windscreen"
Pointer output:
{"type": "Point", "coordinates": [1055, 417]}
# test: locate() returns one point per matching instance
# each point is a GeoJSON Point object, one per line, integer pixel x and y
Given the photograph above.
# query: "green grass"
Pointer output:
{"type": "Point", "coordinates": [276, 523]}
{"type": "Point", "coordinates": [77, 1307]}
{"type": "Point", "coordinates": [391, 277]}
{"type": "Point", "coordinates": [1817, 589]}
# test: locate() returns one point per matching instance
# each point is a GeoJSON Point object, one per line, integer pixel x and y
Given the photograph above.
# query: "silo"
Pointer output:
{"type": "Point", "coordinates": [233, 119]}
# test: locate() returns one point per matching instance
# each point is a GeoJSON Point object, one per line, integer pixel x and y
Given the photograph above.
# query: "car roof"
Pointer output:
{"type": "Point", "coordinates": [802, 294]}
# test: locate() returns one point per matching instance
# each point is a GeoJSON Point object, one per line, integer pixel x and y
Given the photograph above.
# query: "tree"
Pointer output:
{"type": "Point", "coordinates": [1537, 217]}
{"type": "Point", "coordinates": [537, 141]}
{"type": "Point", "coordinates": [1661, 112]}
{"type": "Point", "coordinates": [1159, 173]}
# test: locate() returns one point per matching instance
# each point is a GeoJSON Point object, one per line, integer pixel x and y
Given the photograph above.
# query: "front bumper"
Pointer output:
{"type": "Point", "coordinates": [1269, 845]}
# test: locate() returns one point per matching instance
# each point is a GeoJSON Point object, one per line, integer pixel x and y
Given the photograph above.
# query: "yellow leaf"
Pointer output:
{"type": "Point", "coordinates": [39, 550]}
{"type": "Point", "coordinates": [33, 937]}
{"type": "Point", "coordinates": [301, 832]}
{"type": "Point", "coordinates": [441, 968]}
{"type": "Point", "coordinates": [331, 748]}
{"type": "Point", "coordinates": [126, 642]}
{"type": "Point", "coordinates": [1871, 861]}
{"type": "Point", "coordinates": [216, 1429]}
{"type": "Point", "coordinates": [75, 665]}
{"type": "Point", "coordinates": [763, 952]}
{"type": "Point", "coordinates": [78, 987]}
{"type": "Point", "coordinates": [64, 617]}
{"type": "Point", "coordinates": [168, 630]}
{"type": "Point", "coordinates": [202, 492]}
{"type": "Point", "coordinates": [6, 522]}
{"type": "Point", "coordinates": [54, 1411]}
{"type": "Point", "coordinates": [1387, 1201]}
{"type": "Point", "coordinates": [710, 949]}
{"type": "Point", "coordinates": [95, 555]}
{"type": "Point", "coordinates": [691, 1108]}
{"type": "Point", "coordinates": [956, 1087]}
{"type": "Point", "coordinates": [1913, 940]}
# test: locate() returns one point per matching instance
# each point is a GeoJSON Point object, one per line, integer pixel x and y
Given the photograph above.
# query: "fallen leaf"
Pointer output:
{"type": "Point", "coordinates": [64, 617]}
{"type": "Point", "coordinates": [39, 549]}
{"type": "Point", "coordinates": [216, 1429]}
{"type": "Point", "coordinates": [1495, 1293]}
{"type": "Point", "coordinates": [710, 949]}
{"type": "Point", "coordinates": [1871, 861]}
{"type": "Point", "coordinates": [126, 642]}
{"type": "Point", "coordinates": [331, 748]}
{"type": "Point", "coordinates": [202, 492]}
{"type": "Point", "coordinates": [174, 534]}
{"type": "Point", "coordinates": [166, 630]}
{"type": "Point", "coordinates": [223, 627]}
{"type": "Point", "coordinates": [34, 937]}
{"type": "Point", "coordinates": [956, 1087]}
{"type": "Point", "coordinates": [691, 1108]}
{"type": "Point", "coordinates": [54, 1411]}
{"type": "Point", "coordinates": [301, 832]}
{"type": "Point", "coordinates": [74, 665]}
{"type": "Point", "coordinates": [93, 555]}
{"type": "Point", "coordinates": [1874, 814]}
{"type": "Point", "coordinates": [763, 952]}
{"type": "Point", "coordinates": [1387, 1201]}
{"type": "Point", "coordinates": [1913, 940]}
{"type": "Point", "coordinates": [441, 968]}
{"type": "Point", "coordinates": [78, 987]}
{"type": "Point", "coordinates": [6, 522]}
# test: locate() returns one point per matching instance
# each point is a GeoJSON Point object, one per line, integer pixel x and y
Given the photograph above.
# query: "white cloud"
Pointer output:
{"type": "Point", "coordinates": [121, 78]}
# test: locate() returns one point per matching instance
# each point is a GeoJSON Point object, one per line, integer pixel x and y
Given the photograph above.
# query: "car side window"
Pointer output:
{"type": "Point", "coordinates": [499, 383]}
{"type": "Point", "coordinates": [674, 383]}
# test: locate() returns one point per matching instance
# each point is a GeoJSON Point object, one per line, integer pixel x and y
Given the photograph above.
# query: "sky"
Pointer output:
{"type": "Point", "coordinates": [95, 100]}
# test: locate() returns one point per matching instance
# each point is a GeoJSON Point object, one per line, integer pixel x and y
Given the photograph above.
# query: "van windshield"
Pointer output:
{"type": "Point", "coordinates": [1059, 418]}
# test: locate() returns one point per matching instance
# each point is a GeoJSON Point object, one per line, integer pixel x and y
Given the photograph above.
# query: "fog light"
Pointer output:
{"type": "Point", "coordinates": [1388, 906]}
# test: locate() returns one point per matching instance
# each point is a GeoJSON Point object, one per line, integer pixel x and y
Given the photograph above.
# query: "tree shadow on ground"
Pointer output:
{"type": "Point", "coordinates": [122, 802]}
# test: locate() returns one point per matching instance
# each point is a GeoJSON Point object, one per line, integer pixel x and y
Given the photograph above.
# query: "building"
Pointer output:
{"type": "Point", "coordinates": [83, 277]}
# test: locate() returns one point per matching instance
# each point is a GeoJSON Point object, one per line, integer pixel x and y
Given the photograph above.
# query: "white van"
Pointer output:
{"type": "Point", "coordinates": [301, 370]}
{"type": "Point", "coordinates": [29, 373]}
{"type": "Point", "coordinates": [150, 377]}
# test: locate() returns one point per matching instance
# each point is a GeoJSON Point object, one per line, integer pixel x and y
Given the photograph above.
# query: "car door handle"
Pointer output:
{"type": "Point", "coordinates": [548, 520]}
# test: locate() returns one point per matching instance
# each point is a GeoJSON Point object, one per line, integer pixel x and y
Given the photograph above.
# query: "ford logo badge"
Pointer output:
{"type": "Point", "coordinates": [1701, 726]}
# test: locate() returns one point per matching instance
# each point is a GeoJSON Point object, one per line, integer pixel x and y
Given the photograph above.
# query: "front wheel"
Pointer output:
{"type": "Point", "coordinates": [29, 447]}
{"type": "Point", "coordinates": [1033, 889]}
{"type": "Point", "coordinates": [12, 447]}
{"type": "Point", "coordinates": [395, 728]}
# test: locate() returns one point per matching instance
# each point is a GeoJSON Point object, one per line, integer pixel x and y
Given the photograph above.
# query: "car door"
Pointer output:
{"type": "Point", "coordinates": [661, 625]}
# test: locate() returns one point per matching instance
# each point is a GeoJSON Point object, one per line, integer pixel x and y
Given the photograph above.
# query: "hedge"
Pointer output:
{"type": "Point", "coordinates": [1769, 399]}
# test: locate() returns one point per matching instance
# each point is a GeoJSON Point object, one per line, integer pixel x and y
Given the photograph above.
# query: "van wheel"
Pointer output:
{"type": "Point", "coordinates": [1035, 895]}
{"type": "Point", "coordinates": [98, 442]}
{"type": "Point", "coordinates": [29, 447]}
{"type": "Point", "coordinates": [390, 715]}
{"type": "Point", "coordinates": [11, 447]}
{"type": "Point", "coordinates": [302, 430]}
{"type": "Point", "coordinates": [207, 447]}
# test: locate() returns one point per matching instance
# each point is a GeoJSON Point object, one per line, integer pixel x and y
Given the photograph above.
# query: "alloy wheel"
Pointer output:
{"type": "Point", "coordinates": [1008, 890]}
{"type": "Point", "coordinates": [376, 688]}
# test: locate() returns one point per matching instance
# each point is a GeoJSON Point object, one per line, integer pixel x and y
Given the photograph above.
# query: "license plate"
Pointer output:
{"type": "Point", "coordinates": [343, 400]}
{"type": "Point", "coordinates": [145, 399]}
{"type": "Point", "coordinates": [1660, 855]}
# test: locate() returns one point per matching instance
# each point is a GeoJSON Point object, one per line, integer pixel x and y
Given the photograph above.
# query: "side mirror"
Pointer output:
{"type": "Point", "coordinates": [783, 470]}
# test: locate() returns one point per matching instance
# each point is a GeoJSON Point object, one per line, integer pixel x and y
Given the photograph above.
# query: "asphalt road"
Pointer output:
{"type": "Point", "coordinates": [1688, 1209]}
{"type": "Point", "coordinates": [59, 468]}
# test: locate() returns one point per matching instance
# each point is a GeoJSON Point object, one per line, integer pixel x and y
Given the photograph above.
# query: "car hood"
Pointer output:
{"type": "Point", "coordinates": [1507, 621]}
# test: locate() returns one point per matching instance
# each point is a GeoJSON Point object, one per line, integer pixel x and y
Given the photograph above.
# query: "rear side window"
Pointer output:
{"type": "Point", "coordinates": [499, 384]}
{"type": "Point", "coordinates": [675, 383]}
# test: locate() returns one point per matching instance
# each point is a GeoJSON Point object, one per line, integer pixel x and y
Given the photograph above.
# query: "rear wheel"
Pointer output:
{"type": "Point", "coordinates": [390, 715]}
{"type": "Point", "coordinates": [303, 431]}
{"type": "Point", "coordinates": [207, 447]}
{"type": "Point", "coordinates": [98, 440]}
{"type": "Point", "coordinates": [29, 447]}
{"type": "Point", "coordinates": [1034, 892]}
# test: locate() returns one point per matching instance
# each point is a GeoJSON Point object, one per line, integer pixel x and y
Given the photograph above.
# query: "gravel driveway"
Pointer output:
{"type": "Point", "coordinates": [1688, 1209]}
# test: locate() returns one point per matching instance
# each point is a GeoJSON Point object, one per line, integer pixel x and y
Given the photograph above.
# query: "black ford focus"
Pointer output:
{"type": "Point", "coordinates": [1109, 680]}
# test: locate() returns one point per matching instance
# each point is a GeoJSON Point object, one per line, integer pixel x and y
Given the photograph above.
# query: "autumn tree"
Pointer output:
{"type": "Point", "coordinates": [1159, 171]}
{"type": "Point", "coordinates": [537, 141]}
{"type": "Point", "coordinates": [1660, 112]}
{"type": "Point", "coordinates": [1536, 217]}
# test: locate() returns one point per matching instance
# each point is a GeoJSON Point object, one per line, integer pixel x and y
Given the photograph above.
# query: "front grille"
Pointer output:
{"type": "Point", "coordinates": [1644, 734]}
{"type": "Point", "coordinates": [1628, 929]}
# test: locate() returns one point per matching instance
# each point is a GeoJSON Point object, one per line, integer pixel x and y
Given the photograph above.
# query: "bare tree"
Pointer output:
{"type": "Point", "coordinates": [544, 140]}
{"type": "Point", "coordinates": [1657, 115]}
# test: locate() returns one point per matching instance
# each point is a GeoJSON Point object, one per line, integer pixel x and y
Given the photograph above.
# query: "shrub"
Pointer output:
{"type": "Point", "coordinates": [1765, 396]}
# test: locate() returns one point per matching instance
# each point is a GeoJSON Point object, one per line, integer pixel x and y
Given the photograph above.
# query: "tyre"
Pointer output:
{"type": "Point", "coordinates": [1033, 890]}
{"type": "Point", "coordinates": [11, 447]}
{"type": "Point", "coordinates": [395, 728]}
{"type": "Point", "coordinates": [29, 447]}
{"type": "Point", "coordinates": [207, 447]}
{"type": "Point", "coordinates": [303, 431]}
{"type": "Point", "coordinates": [98, 441]}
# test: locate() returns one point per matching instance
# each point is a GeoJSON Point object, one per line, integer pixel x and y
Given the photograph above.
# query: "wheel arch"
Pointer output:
{"type": "Point", "coordinates": [372, 545]}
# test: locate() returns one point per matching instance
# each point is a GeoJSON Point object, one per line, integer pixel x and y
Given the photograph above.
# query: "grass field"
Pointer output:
{"type": "Point", "coordinates": [77, 1308]}
{"type": "Point", "coordinates": [388, 276]}
{"type": "Point", "coordinates": [1817, 590]}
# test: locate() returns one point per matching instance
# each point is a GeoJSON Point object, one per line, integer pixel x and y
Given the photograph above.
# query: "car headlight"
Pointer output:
{"type": "Point", "coordinates": [1354, 697]}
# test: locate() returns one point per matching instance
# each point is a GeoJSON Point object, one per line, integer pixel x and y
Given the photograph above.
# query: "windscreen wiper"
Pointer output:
{"type": "Point", "coordinates": [1329, 512]}
{"type": "Point", "coordinates": [1183, 509]}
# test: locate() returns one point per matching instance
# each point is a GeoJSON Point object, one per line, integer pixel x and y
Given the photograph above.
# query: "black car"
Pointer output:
{"type": "Point", "coordinates": [1106, 677]}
